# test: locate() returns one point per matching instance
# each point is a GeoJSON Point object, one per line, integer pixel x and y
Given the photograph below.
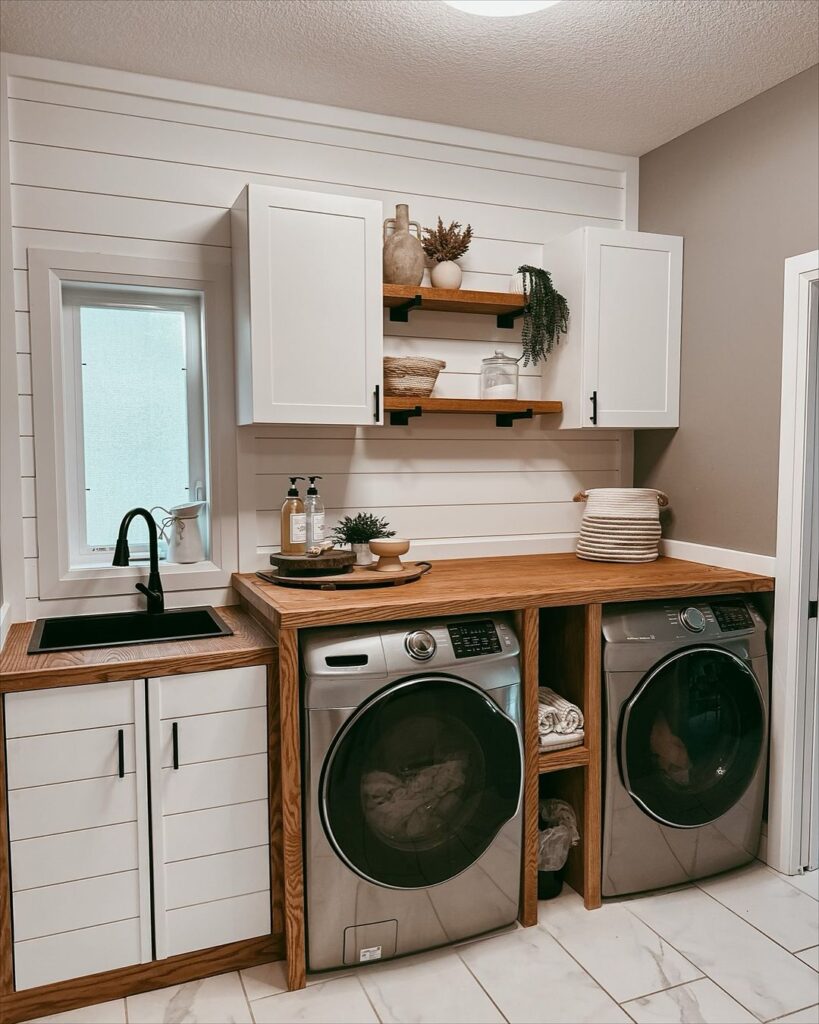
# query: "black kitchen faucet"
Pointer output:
{"type": "Point", "coordinates": [156, 599]}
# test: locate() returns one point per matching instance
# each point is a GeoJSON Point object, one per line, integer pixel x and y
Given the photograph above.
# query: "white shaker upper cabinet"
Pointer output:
{"type": "Point", "coordinates": [308, 307]}
{"type": "Point", "coordinates": [619, 365]}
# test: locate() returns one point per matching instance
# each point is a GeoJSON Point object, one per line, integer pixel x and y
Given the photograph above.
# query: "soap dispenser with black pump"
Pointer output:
{"type": "Point", "coordinates": [293, 522]}
{"type": "Point", "coordinates": [314, 514]}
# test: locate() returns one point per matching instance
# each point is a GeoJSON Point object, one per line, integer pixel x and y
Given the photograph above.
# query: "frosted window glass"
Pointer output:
{"type": "Point", "coordinates": [135, 416]}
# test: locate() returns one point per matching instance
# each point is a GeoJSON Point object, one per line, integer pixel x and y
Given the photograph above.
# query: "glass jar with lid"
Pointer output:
{"type": "Point", "coordinates": [499, 376]}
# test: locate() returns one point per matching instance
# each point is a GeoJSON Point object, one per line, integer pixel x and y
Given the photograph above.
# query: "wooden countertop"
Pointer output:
{"type": "Point", "coordinates": [495, 584]}
{"type": "Point", "coordinates": [249, 645]}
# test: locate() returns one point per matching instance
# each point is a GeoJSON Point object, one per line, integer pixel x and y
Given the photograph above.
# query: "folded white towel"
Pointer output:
{"type": "Point", "coordinates": [556, 714]}
{"type": "Point", "coordinates": [558, 741]}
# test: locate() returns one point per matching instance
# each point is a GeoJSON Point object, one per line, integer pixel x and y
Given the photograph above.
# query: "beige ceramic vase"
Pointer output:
{"type": "Point", "coordinates": [403, 253]}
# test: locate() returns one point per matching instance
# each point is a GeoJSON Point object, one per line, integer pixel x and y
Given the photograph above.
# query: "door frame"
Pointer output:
{"type": "Point", "coordinates": [794, 693]}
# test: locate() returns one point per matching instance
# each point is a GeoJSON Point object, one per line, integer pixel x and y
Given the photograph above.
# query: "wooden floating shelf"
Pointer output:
{"type": "Point", "coordinates": [573, 757]}
{"type": "Point", "coordinates": [505, 410]}
{"type": "Point", "coordinates": [401, 298]}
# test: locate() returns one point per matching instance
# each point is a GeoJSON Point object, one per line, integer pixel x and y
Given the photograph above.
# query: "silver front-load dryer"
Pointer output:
{"type": "Point", "coordinates": [686, 694]}
{"type": "Point", "coordinates": [413, 779]}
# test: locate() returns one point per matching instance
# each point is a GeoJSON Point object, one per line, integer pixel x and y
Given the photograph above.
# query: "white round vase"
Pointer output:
{"type": "Point", "coordinates": [363, 555]}
{"type": "Point", "coordinates": [446, 275]}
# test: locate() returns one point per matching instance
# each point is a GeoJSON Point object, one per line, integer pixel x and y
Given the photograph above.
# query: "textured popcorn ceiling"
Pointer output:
{"type": "Point", "coordinates": [616, 75]}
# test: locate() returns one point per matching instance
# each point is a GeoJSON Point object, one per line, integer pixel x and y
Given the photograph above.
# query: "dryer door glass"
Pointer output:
{"type": "Point", "coordinates": [420, 781]}
{"type": "Point", "coordinates": [691, 736]}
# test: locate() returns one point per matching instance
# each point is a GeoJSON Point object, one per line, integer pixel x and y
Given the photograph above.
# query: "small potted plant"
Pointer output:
{"type": "Point", "coordinates": [358, 531]}
{"type": "Point", "coordinates": [546, 316]}
{"type": "Point", "coordinates": [444, 246]}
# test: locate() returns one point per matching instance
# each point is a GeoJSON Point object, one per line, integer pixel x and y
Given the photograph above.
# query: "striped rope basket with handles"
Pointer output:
{"type": "Point", "coordinates": [620, 524]}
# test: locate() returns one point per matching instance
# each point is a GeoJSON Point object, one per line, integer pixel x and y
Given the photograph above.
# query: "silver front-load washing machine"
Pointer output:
{"type": "Point", "coordinates": [686, 695]}
{"type": "Point", "coordinates": [412, 789]}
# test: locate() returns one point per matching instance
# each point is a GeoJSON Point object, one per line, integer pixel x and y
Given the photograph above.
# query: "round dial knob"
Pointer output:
{"type": "Point", "coordinates": [692, 619]}
{"type": "Point", "coordinates": [420, 645]}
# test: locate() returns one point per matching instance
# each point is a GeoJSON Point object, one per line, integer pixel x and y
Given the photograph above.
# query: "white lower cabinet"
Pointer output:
{"type": "Point", "coordinates": [80, 872]}
{"type": "Point", "coordinates": [209, 774]}
{"type": "Point", "coordinates": [84, 765]}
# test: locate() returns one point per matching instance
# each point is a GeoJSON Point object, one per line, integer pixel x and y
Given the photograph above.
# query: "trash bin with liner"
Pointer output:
{"type": "Point", "coordinates": [558, 833]}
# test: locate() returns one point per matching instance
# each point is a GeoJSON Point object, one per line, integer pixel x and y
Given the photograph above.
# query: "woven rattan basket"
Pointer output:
{"type": "Point", "coordinates": [620, 524]}
{"type": "Point", "coordinates": [411, 375]}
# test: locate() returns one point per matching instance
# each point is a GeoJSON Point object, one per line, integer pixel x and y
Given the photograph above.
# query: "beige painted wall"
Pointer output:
{"type": "Point", "coordinates": [743, 190]}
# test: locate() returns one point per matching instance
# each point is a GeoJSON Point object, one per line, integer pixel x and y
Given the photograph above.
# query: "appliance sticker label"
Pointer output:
{"type": "Point", "coordinates": [371, 953]}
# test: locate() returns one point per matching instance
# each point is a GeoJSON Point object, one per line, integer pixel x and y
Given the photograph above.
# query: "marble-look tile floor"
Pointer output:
{"type": "Point", "coordinates": [740, 947]}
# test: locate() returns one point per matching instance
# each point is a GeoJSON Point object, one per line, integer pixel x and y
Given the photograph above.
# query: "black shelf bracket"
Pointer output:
{"type": "Point", "coordinates": [507, 320]}
{"type": "Point", "coordinates": [506, 419]}
{"type": "Point", "coordinates": [401, 417]}
{"type": "Point", "coordinates": [400, 314]}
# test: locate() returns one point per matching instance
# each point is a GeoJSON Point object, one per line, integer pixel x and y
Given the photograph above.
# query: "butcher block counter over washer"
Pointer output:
{"type": "Point", "coordinates": [557, 602]}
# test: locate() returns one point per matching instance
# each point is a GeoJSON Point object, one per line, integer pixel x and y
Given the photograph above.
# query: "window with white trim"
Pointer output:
{"type": "Point", "coordinates": [134, 411]}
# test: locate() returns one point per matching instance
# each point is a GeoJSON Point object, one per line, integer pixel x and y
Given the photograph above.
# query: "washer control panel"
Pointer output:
{"type": "Point", "coordinates": [732, 615]}
{"type": "Point", "coordinates": [693, 619]}
{"type": "Point", "coordinates": [475, 637]}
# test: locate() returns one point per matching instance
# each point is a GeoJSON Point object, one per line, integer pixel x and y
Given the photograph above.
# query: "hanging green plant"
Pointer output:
{"type": "Point", "coordinates": [546, 316]}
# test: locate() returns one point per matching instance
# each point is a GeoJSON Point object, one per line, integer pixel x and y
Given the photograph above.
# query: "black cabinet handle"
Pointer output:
{"type": "Point", "coordinates": [377, 397]}
{"type": "Point", "coordinates": [175, 743]}
{"type": "Point", "coordinates": [121, 753]}
{"type": "Point", "coordinates": [593, 399]}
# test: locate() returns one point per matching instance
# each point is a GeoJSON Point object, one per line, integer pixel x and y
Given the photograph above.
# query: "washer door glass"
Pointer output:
{"type": "Point", "coordinates": [420, 781]}
{"type": "Point", "coordinates": [691, 736]}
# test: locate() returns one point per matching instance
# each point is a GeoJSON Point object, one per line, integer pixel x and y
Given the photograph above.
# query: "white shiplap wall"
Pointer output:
{"type": "Point", "coordinates": [124, 164]}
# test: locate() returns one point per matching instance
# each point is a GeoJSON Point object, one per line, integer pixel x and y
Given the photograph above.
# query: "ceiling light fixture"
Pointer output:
{"type": "Point", "coordinates": [500, 8]}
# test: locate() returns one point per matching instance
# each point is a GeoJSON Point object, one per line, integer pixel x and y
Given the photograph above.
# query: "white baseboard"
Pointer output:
{"type": "Point", "coordinates": [744, 561]}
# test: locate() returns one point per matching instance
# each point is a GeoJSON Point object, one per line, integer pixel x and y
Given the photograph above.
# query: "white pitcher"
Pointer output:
{"type": "Point", "coordinates": [181, 530]}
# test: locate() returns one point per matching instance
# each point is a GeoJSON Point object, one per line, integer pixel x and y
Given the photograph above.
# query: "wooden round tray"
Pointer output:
{"type": "Point", "coordinates": [329, 563]}
{"type": "Point", "coordinates": [361, 576]}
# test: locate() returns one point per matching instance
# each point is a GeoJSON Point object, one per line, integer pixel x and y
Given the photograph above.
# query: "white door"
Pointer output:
{"type": "Point", "coordinates": [308, 302]}
{"type": "Point", "coordinates": [793, 811]}
{"type": "Point", "coordinates": [78, 829]}
{"type": "Point", "coordinates": [211, 833]}
{"type": "Point", "coordinates": [631, 328]}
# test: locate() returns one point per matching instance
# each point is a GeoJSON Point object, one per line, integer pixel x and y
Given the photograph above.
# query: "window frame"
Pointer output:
{"type": "Point", "coordinates": [75, 297]}
{"type": "Point", "coordinates": [49, 272]}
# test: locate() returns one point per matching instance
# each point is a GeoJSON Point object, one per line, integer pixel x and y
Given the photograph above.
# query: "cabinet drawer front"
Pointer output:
{"type": "Point", "coordinates": [211, 924]}
{"type": "Point", "coordinates": [68, 708]}
{"type": "Point", "coordinates": [205, 879]}
{"type": "Point", "coordinates": [213, 737]}
{"type": "Point", "coordinates": [75, 954]}
{"type": "Point", "coordinates": [73, 905]}
{"type": "Point", "coordinates": [68, 756]}
{"type": "Point", "coordinates": [215, 830]}
{"type": "Point", "coordinates": [49, 810]}
{"type": "Point", "coordinates": [194, 787]}
{"type": "Point", "coordinates": [72, 855]}
{"type": "Point", "coordinates": [201, 693]}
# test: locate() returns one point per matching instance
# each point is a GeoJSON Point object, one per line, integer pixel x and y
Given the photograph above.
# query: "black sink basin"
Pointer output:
{"type": "Point", "coordinates": [125, 628]}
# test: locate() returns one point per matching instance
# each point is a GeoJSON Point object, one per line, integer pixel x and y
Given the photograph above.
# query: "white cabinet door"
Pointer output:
{"type": "Point", "coordinates": [308, 307]}
{"type": "Point", "coordinates": [619, 366]}
{"type": "Point", "coordinates": [78, 829]}
{"type": "Point", "coordinates": [211, 834]}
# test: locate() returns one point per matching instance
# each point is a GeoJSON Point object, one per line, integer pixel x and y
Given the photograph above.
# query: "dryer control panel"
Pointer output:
{"type": "Point", "coordinates": [732, 615]}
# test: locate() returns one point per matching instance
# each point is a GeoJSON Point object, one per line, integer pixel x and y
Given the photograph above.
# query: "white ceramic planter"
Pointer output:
{"type": "Point", "coordinates": [446, 275]}
{"type": "Point", "coordinates": [363, 555]}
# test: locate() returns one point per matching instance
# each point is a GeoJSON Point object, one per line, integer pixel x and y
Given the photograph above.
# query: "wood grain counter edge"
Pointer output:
{"type": "Point", "coordinates": [250, 644]}
{"type": "Point", "coordinates": [509, 583]}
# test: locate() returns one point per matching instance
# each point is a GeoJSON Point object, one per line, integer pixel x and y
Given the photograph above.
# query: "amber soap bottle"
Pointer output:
{"type": "Point", "coordinates": [294, 521]}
